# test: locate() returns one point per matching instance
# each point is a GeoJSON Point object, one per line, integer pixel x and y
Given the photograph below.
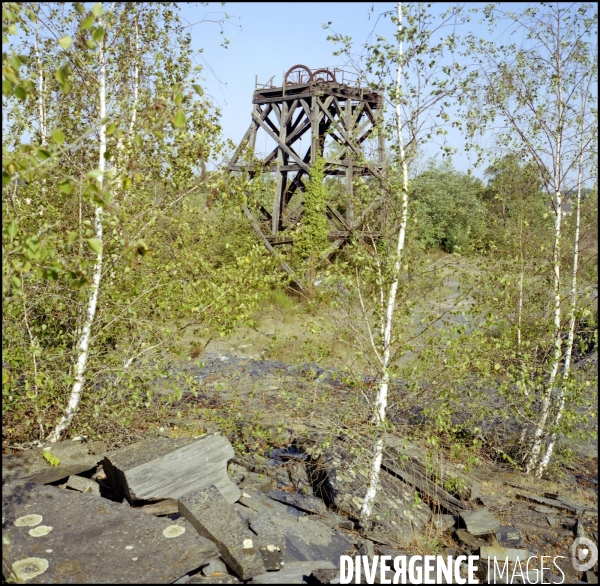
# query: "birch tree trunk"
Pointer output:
{"type": "Point", "coordinates": [541, 429]}
{"type": "Point", "coordinates": [84, 339]}
{"type": "Point", "coordinates": [388, 315]}
{"type": "Point", "coordinates": [572, 308]}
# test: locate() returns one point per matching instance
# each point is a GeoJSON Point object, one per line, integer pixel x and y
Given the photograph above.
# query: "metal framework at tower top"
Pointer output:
{"type": "Point", "coordinates": [325, 103]}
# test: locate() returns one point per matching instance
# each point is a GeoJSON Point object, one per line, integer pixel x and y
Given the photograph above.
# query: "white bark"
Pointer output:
{"type": "Point", "coordinates": [388, 314]}
{"type": "Point", "coordinates": [84, 340]}
{"type": "Point", "coordinates": [541, 429]}
{"type": "Point", "coordinates": [572, 307]}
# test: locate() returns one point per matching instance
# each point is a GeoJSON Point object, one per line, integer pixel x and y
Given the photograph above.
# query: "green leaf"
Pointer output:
{"type": "Point", "coordinates": [98, 33]}
{"type": "Point", "coordinates": [88, 23]}
{"type": "Point", "coordinates": [90, 44]}
{"type": "Point", "coordinates": [7, 88]}
{"type": "Point", "coordinates": [42, 154]}
{"type": "Point", "coordinates": [65, 187]}
{"type": "Point", "coordinates": [138, 140]}
{"type": "Point", "coordinates": [58, 136]}
{"type": "Point", "coordinates": [20, 92]}
{"type": "Point", "coordinates": [95, 245]}
{"type": "Point", "coordinates": [179, 119]}
{"type": "Point", "coordinates": [71, 237]}
{"type": "Point", "coordinates": [51, 458]}
{"type": "Point", "coordinates": [178, 98]}
{"type": "Point", "coordinates": [65, 42]}
{"type": "Point", "coordinates": [110, 128]}
{"type": "Point", "coordinates": [97, 9]}
{"type": "Point", "coordinates": [198, 89]}
{"type": "Point", "coordinates": [79, 7]}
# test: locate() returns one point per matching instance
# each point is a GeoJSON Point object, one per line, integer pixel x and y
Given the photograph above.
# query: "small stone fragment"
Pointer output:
{"type": "Point", "coordinates": [480, 522]}
{"type": "Point", "coordinates": [504, 553]}
{"type": "Point", "coordinates": [509, 537]}
{"type": "Point", "coordinates": [214, 566]}
{"type": "Point", "coordinates": [82, 484]}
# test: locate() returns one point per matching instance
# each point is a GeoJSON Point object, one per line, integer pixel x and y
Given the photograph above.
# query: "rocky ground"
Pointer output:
{"type": "Point", "coordinates": [264, 485]}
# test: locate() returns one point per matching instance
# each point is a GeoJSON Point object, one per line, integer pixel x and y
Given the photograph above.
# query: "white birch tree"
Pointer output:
{"type": "Point", "coordinates": [414, 74]}
{"type": "Point", "coordinates": [534, 94]}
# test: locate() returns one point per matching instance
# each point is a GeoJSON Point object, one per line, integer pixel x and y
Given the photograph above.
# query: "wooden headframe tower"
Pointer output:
{"type": "Point", "coordinates": [319, 104]}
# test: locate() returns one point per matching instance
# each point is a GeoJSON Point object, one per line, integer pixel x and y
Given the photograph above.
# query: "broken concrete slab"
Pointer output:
{"type": "Point", "coordinates": [216, 519]}
{"type": "Point", "coordinates": [81, 538]}
{"type": "Point", "coordinates": [480, 522]}
{"type": "Point", "coordinates": [293, 573]}
{"type": "Point", "coordinates": [310, 504]}
{"type": "Point", "coordinates": [304, 539]}
{"type": "Point", "coordinates": [82, 484]}
{"type": "Point", "coordinates": [158, 469]}
{"type": "Point", "coordinates": [342, 479]}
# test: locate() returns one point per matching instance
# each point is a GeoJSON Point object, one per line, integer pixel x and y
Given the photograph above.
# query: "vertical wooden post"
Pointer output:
{"type": "Point", "coordinates": [282, 159]}
{"type": "Point", "coordinates": [350, 128]}
{"type": "Point", "coordinates": [315, 117]}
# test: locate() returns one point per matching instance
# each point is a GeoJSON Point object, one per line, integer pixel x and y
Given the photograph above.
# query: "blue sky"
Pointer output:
{"type": "Point", "coordinates": [266, 39]}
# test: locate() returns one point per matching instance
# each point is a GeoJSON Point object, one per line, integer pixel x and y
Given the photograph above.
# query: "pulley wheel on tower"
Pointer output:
{"type": "Point", "coordinates": [298, 75]}
{"type": "Point", "coordinates": [323, 75]}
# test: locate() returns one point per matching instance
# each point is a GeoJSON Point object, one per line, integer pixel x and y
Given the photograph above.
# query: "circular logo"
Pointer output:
{"type": "Point", "coordinates": [584, 549]}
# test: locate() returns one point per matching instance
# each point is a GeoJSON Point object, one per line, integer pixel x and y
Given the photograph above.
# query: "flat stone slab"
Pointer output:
{"type": "Point", "coordinates": [293, 573]}
{"type": "Point", "coordinates": [213, 517]}
{"type": "Point", "coordinates": [504, 553]}
{"type": "Point", "coordinates": [304, 539]}
{"type": "Point", "coordinates": [74, 458]}
{"type": "Point", "coordinates": [163, 468]}
{"type": "Point", "coordinates": [480, 522]}
{"type": "Point", "coordinates": [310, 504]}
{"type": "Point", "coordinates": [468, 540]}
{"type": "Point", "coordinates": [51, 535]}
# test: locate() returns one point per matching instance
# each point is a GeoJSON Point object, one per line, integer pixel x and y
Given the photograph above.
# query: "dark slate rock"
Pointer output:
{"type": "Point", "coordinates": [470, 542]}
{"type": "Point", "coordinates": [82, 484]}
{"type": "Point", "coordinates": [509, 537]}
{"type": "Point", "coordinates": [78, 538]}
{"type": "Point", "coordinates": [480, 522]}
{"type": "Point", "coordinates": [214, 518]}
{"type": "Point", "coordinates": [74, 457]}
{"type": "Point", "coordinates": [310, 504]}
{"type": "Point", "coordinates": [261, 503]}
{"type": "Point", "coordinates": [294, 573]}
{"type": "Point", "coordinates": [343, 480]}
{"type": "Point", "coordinates": [304, 539]}
{"type": "Point", "coordinates": [158, 469]}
